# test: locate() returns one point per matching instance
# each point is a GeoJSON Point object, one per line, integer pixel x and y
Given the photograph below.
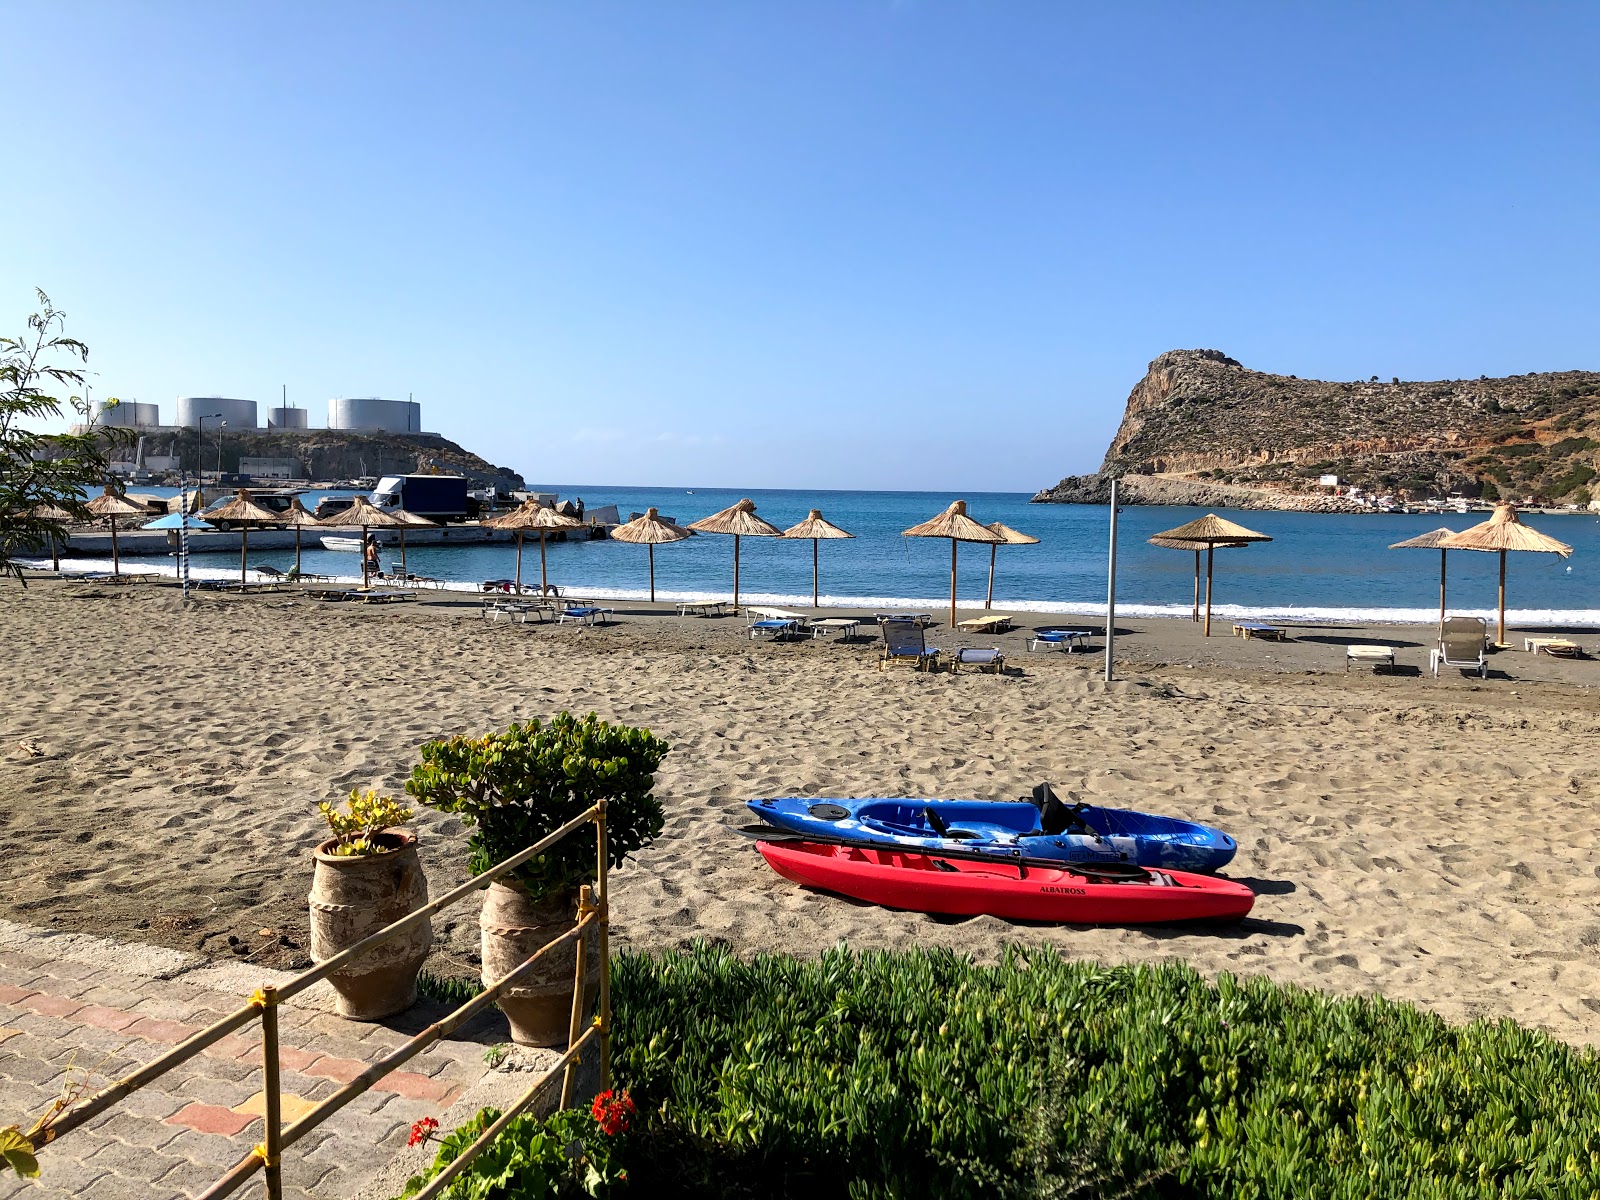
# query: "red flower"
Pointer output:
{"type": "Point", "coordinates": [421, 1130]}
{"type": "Point", "coordinates": [613, 1111]}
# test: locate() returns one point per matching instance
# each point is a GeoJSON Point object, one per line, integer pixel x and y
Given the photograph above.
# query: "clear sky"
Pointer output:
{"type": "Point", "coordinates": [767, 244]}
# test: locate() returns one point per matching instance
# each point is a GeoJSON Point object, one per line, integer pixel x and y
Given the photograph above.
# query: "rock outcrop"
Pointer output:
{"type": "Point", "coordinates": [1201, 428]}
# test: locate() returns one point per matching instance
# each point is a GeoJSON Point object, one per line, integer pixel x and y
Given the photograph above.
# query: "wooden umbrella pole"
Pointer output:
{"type": "Point", "coordinates": [544, 578]}
{"type": "Point", "coordinates": [736, 571]}
{"type": "Point", "coordinates": [1501, 640]}
{"type": "Point", "coordinates": [814, 590]}
{"type": "Point", "coordinates": [952, 583]}
{"type": "Point", "coordinates": [1195, 616]}
{"type": "Point", "coordinates": [519, 562]}
{"type": "Point", "coordinates": [1209, 550]}
{"type": "Point", "coordinates": [297, 549]}
{"type": "Point", "coordinates": [1443, 554]}
{"type": "Point", "coordinates": [404, 569]}
{"type": "Point", "coordinates": [364, 576]}
{"type": "Point", "coordinates": [244, 549]}
{"type": "Point", "coordinates": [116, 559]}
{"type": "Point", "coordinates": [988, 599]}
{"type": "Point", "coordinates": [652, 548]}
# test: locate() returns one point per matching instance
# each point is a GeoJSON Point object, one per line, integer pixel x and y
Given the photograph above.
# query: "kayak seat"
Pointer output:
{"type": "Point", "coordinates": [962, 834]}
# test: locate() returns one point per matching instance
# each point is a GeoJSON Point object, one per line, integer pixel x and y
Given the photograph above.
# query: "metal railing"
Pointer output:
{"type": "Point", "coordinates": [593, 920]}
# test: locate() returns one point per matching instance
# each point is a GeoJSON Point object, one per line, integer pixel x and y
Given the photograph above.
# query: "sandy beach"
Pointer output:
{"type": "Point", "coordinates": [1430, 840]}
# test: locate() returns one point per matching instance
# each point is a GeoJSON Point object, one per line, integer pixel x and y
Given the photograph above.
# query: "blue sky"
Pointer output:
{"type": "Point", "coordinates": [833, 245]}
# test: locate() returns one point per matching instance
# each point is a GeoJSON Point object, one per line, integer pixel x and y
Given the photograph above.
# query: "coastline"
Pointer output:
{"type": "Point", "coordinates": [1429, 840]}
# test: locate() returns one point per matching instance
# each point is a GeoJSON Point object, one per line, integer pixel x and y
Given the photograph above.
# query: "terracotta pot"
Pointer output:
{"type": "Point", "coordinates": [354, 896]}
{"type": "Point", "coordinates": [539, 1007]}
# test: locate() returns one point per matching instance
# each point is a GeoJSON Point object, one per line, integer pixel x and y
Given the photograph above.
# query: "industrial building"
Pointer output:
{"type": "Point", "coordinates": [282, 417]}
{"type": "Point", "coordinates": [372, 414]}
{"type": "Point", "coordinates": [272, 468]}
{"type": "Point", "coordinates": [239, 414]}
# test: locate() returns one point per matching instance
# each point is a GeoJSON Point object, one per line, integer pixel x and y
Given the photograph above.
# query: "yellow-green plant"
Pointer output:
{"type": "Point", "coordinates": [366, 815]}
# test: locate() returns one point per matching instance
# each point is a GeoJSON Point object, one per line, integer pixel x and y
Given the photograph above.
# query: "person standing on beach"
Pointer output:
{"type": "Point", "coordinates": [374, 567]}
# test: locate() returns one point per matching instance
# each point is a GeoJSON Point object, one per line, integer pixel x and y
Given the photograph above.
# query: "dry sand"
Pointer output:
{"type": "Point", "coordinates": [1432, 841]}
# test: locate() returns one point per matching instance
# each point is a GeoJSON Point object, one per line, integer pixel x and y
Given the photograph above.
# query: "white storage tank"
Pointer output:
{"type": "Point", "coordinates": [239, 414]}
{"type": "Point", "coordinates": [288, 418]}
{"type": "Point", "coordinates": [127, 415]}
{"type": "Point", "coordinates": [386, 416]}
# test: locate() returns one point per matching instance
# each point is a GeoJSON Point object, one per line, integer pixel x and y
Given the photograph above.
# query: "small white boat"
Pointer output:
{"type": "Point", "coordinates": [350, 545]}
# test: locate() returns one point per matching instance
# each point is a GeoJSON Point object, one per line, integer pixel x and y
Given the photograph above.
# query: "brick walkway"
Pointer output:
{"type": "Point", "coordinates": [75, 1003]}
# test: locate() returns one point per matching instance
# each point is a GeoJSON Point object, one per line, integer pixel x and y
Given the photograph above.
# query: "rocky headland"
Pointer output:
{"type": "Point", "coordinates": [1201, 428]}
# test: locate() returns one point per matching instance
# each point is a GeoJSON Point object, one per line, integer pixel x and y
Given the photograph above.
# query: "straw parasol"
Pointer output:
{"type": "Point", "coordinates": [57, 519]}
{"type": "Point", "coordinates": [414, 520]}
{"type": "Point", "coordinates": [1012, 537]}
{"type": "Point", "coordinates": [299, 517]}
{"type": "Point", "coordinates": [365, 515]}
{"type": "Point", "coordinates": [650, 530]}
{"type": "Point", "coordinates": [532, 516]}
{"type": "Point", "coordinates": [1501, 532]}
{"type": "Point", "coordinates": [740, 520]}
{"type": "Point", "coordinates": [243, 512]}
{"type": "Point", "coordinates": [1167, 543]}
{"type": "Point", "coordinates": [1211, 531]}
{"type": "Point", "coordinates": [953, 523]}
{"type": "Point", "coordinates": [815, 528]}
{"type": "Point", "coordinates": [1434, 539]}
{"type": "Point", "coordinates": [111, 506]}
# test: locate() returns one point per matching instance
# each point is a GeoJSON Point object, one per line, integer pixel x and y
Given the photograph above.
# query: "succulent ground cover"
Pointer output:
{"type": "Point", "coordinates": [924, 1075]}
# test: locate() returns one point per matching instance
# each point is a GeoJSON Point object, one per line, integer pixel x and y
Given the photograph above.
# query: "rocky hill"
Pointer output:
{"type": "Point", "coordinates": [326, 454]}
{"type": "Point", "coordinates": [1201, 428]}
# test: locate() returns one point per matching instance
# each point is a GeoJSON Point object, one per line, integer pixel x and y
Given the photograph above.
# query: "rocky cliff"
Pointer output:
{"type": "Point", "coordinates": [1201, 428]}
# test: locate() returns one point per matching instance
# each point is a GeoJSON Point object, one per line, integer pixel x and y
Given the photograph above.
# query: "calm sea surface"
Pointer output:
{"type": "Point", "coordinates": [1317, 566]}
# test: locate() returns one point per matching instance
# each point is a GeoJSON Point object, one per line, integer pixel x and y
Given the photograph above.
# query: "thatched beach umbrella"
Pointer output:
{"type": "Point", "coordinates": [299, 517]}
{"type": "Point", "coordinates": [1501, 532]}
{"type": "Point", "coordinates": [111, 506]}
{"type": "Point", "coordinates": [531, 516]}
{"type": "Point", "coordinates": [1434, 539]}
{"type": "Point", "coordinates": [953, 523]}
{"type": "Point", "coordinates": [415, 521]}
{"type": "Point", "coordinates": [243, 512]}
{"type": "Point", "coordinates": [1012, 537]}
{"type": "Point", "coordinates": [57, 519]}
{"type": "Point", "coordinates": [650, 530]}
{"type": "Point", "coordinates": [740, 520]}
{"type": "Point", "coordinates": [1167, 543]}
{"type": "Point", "coordinates": [1211, 531]}
{"type": "Point", "coordinates": [363, 514]}
{"type": "Point", "coordinates": [815, 528]}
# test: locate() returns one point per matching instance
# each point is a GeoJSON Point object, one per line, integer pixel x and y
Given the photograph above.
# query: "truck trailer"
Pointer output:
{"type": "Point", "coordinates": [441, 498]}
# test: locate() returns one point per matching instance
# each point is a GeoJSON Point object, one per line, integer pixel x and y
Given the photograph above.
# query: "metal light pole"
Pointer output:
{"type": "Point", "coordinates": [1111, 585]}
{"type": "Point", "coordinates": [220, 427]}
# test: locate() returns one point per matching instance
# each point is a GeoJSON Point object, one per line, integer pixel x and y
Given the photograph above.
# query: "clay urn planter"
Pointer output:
{"type": "Point", "coordinates": [514, 925]}
{"type": "Point", "coordinates": [352, 897]}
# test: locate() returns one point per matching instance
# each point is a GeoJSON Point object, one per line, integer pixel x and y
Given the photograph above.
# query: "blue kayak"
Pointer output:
{"type": "Point", "coordinates": [1041, 828]}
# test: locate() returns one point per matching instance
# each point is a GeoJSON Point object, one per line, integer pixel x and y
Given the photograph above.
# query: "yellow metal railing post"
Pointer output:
{"type": "Point", "coordinates": [575, 1025]}
{"type": "Point", "coordinates": [271, 1150]}
{"type": "Point", "coordinates": [603, 938]}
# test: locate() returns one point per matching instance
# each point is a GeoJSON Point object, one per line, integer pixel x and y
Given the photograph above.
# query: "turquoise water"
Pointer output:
{"type": "Point", "coordinates": [1318, 566]}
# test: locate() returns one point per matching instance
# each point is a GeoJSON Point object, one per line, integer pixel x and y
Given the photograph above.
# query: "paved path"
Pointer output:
{"type": "Point", "coordinates": [71, 1004]}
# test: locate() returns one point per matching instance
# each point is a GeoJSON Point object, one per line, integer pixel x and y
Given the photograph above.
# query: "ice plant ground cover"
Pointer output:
{"type": "Point", "coordinates": [924, 1074]}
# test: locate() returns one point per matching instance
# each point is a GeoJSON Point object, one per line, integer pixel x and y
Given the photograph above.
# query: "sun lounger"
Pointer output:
{"type": "Point", "coordinates": [582, 614]}
{"type": "Point", "coordinates": [1463, 645]}
{"type": "Point", "coordinates": [1058, 639]}
{"type": "Point", "coordinates": [775, 629]}
{"type": "Point", "coordinates": [979, 660]}
{"type": "Point", "coordinates": [985, 624]}
{"type": "Point", "coordinates": [384, 597]}
{"type": "Point", "coordinates": [844, 626]}
{"type": "Point", "coordinates": [506, 610]}
{"type": "Point", "coordinates": [904, 641]}
{"type": "Point", "coordinates": [757, 613]}
{"type": "Point", "coordinates": [921, 620]}
{"type": "Point", "coordinates": [1271, 633]}
{"type": "Point", "coordinates": [498, 585]}
{"type": "Point", "coordinates": [1553, 646]}
{"type": "Point", "coordinates": [330, 593]}
{"type": "Point", "coordinates": [702, 608]}
{"type": "Point", "coordinates": [1377, 656]}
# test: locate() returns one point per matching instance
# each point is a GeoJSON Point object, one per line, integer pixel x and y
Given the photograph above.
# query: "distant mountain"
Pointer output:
{"type": "Point", "coordinates": [1201, 428]}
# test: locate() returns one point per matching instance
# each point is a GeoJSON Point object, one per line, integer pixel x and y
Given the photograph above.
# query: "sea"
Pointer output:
{"type": "Point", "coordinates": [1318, 567]}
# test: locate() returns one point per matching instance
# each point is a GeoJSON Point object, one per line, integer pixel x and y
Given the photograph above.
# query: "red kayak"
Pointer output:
{"type": "Point", "coordinates": [927, 883]}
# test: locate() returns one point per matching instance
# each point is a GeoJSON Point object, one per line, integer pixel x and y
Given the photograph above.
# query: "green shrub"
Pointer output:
{"type": "Point", "coordinates": [566, 1154]}
{"type": "Point", "coordinates": [922, 1075]}
{"type": "Point", "coordinates": [516, 787]}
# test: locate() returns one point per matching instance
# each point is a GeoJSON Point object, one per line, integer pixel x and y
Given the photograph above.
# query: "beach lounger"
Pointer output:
{"type": "Point", "coordinates": [702, 608]}
{"type": "Point", "coordinates": [498, 585]}
{"type": "Point", "coordinates": [384, 597]}
{"type": "Point", "coordinates": [1463, 645]}
{"type": "Point", "coordinates": [774, 629]}
{"type": "Point", "coordinates": [979, 660]}
{"type": "Point", "coordinates": [921, 620]}
{"type": "Point", "coordinates": [1271, 633]}
{"type": "Point", "coordinates": [756, 612]}
{"type": "Point", "coordinates": [1057, 639]}
{"type": "Point", "coordinates": [330, 594]}
{"type": "Point", "coordinates": [1377, 656]}
{"type": "Point", "coordinates": [985, 624]}
{"type": "Point", "coordinates": [903, 641]}
{"type": "Point", "coordinates": [505, 610]}
{"type": "Point", "coordinates": [1555, 647]}
{"type": "Point", "coordinates": [582, 614]}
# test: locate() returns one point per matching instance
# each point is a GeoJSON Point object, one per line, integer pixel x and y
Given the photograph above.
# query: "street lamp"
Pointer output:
{"type": "Point", "coordinates": [199, 445]}
{"type": "Point", "coordinates": [220, 427]}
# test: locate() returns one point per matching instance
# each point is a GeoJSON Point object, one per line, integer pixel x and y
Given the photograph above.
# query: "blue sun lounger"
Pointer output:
{"type": "Point", "coordinates": [774, 628]}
